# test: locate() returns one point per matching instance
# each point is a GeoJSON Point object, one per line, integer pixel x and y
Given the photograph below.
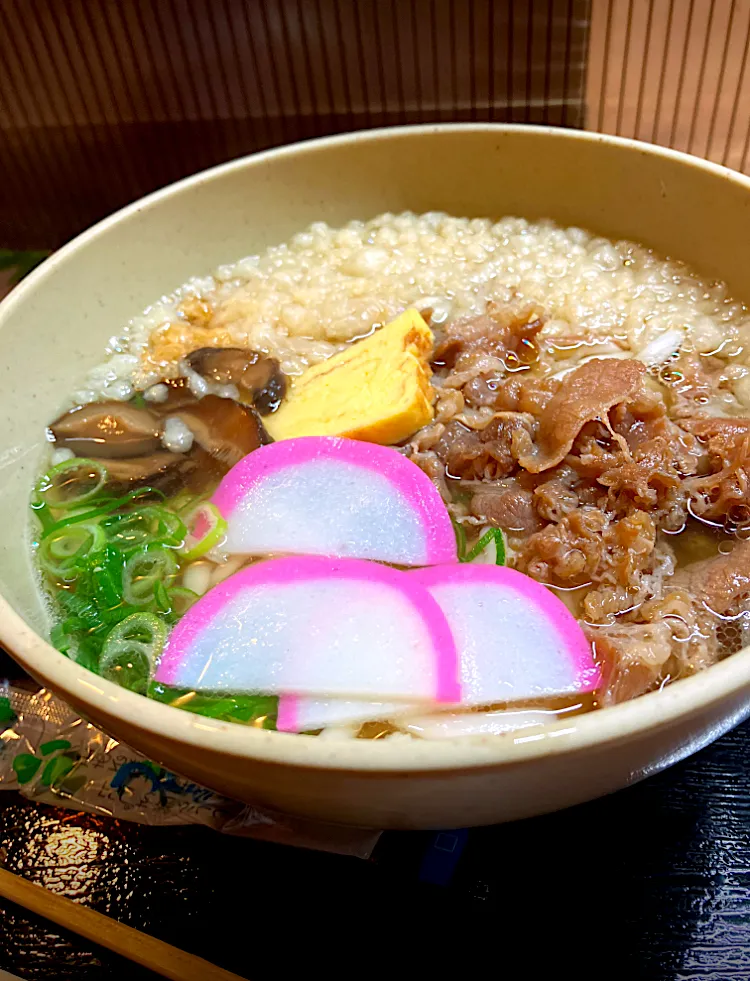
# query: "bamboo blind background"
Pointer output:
{"type": "Point", "coordinates": [102, 101]}
{"type": "Point", "coordinates": [673, 72]}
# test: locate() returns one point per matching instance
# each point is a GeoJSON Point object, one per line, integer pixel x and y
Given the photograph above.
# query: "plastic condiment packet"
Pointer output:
{"type": "Point", "coordinates": [49, 754]}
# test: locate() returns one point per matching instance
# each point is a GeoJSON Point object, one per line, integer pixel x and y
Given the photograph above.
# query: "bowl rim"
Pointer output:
{"type": "Point", "coordinates": [631, 720]}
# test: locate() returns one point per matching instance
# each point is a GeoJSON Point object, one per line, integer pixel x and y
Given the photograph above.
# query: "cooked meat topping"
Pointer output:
{"type": "Point", "coordinates": [590, 472]}
{"type": "Point", "coordinates": [485, 454]}
{"type": "Point", "coordinates": [587, 394]}
{"type": "Point", "coordinates": [719, 583]}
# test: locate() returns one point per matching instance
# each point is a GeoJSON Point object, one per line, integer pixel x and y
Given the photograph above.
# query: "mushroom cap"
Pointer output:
{"type": "Point", "coordinates": [223, 428]}
{"type": "Point", "coordinates": [127, 438]}
{"type": "Point", "coordinates": [108, 429]}
{"type": "Point", "coordinates": [258, 378]}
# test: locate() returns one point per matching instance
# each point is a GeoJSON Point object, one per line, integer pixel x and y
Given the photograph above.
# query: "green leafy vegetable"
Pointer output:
{"type": "Point", "coordinates": [495, 538]}
{"type": "Point", "coordinates": [458, 531]}
{"type": "Point", "coordinates": [131, 649]}
{"type": "Point", "coordinates": [144, 572]}
{"type": "Point", "coordinates": [71, 483]}
{"type": "Point", "coordinates": [63, 553]}
{"type": "Point", "coordinates": [258, 710]}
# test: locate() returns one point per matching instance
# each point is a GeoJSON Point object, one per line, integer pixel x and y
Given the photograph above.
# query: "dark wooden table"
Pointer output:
{"type": "Point", "coordinates": [660, 873]}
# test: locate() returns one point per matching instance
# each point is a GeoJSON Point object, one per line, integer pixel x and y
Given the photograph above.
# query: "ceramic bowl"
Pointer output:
{"type": "Point", "coordinates": [56, 324]}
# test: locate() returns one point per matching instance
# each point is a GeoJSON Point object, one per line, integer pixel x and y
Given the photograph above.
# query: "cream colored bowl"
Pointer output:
{"type": "Point", "coordinates": [55, 325]}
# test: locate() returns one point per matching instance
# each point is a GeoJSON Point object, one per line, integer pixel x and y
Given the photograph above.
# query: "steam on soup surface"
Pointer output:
{"type": "Point", "coordinates": [581, 408]}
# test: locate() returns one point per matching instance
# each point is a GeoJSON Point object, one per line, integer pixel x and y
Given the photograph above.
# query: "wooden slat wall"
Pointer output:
{"type": "Point", "coordinates": [102, 101]}
{"type": "Point", "coordinates": [673, 72]}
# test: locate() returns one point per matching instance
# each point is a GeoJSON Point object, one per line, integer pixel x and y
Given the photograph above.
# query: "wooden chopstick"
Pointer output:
{"type": "Point", "coordinates": [154, 954]}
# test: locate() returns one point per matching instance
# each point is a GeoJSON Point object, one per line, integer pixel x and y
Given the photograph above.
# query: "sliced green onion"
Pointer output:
{"type": "Point", "coordinates": [205, 529]}
{"type": "Point", "coordinates": [106, 506]}
{"type": "Point", "coordinates": [127, 664]}
{"type": "Point", "coordinates": [111, 559]}
{"type": "Point", "coordinates": [257, 710]}
{"type": "Point", "coordinates": [60, 638]}
{"type": "Point", "coordinates": [71, 483]}
{"type": "Point", "coordinates": [106, 578]}
{"type": "Point", "coordinates": [144, 571]}
{"type": "Point", "coordinates": [131, 649]}
{"type": "Point", "coordinates": [161, 598]}
{"type": "Point", "coordinates": [173, 602]}
{"type": "Point", "coordinates": [63, 553]}
{"type": "Point", "coordinates": [143, 628]}
{"type": "Point", "coordinates": [181, 599]}
{"type": "Point", "coordinates": [80, 649]}
{"type": "Point", "coordinates": [458, 531]}
{"type": "Point", "coordinates": [490, 549]}
{"type": "Point", "coordinates": [146, 525]}
{"type": "Point", "coordinates": [44, 514]}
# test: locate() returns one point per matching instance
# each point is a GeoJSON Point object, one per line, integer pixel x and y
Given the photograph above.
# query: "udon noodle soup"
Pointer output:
{"type": "Point", "coordinates": [417, 477]}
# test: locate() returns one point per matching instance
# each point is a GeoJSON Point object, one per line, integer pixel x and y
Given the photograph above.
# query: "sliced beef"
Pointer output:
{"type": "Point", "coordinates": [723, 493]}
{"type": "Point", "coordinates": [650, 481]}
{"type": "Point", "coordinates": [504, 330]}
{"type": "Point", "coordinates": [586, 394]}
{"type": "Point", "coordinates": [667, 638]}
{"type": "Point", "coordinates": [717, 427]}
{"type": "Point", "coordinates": [588, 546]}
{"type": "Point", "coordinates": [583, 472]}
{"type": "Point", "coordinates": [510, 508]}
{"type": "Point", "coordinates": [556, 498]}
{"type": "Point", "coordinates": [698, 620]}
{"type": "Point", "coordinates": [697, 383]}
{"type": "Point", "coordinates": [521, 393]}
{"type": "Point", "coordinates": [487, 454]}
{"type": "Point", "coordinates": [721, 583]}
{"type": "Point", "coordinates": [633, 658]}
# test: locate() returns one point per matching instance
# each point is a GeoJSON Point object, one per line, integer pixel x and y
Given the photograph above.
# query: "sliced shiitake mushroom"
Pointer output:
{"type": "Point", "coordinates": [258, 379]}
{"type": "Point", "coordinates": [143, 469]}
{"type": "Point", "coordinates": [108, 429]}
{"type": "Point", "coordinates": [196, 471]}
{"type": "Point", "coordinates": [223, 428]}
{"type": "Point", "coordinates": [179, 394]}
{"type": "Point", "coordinates": [128, 439]}
{"type": "Point", "coordinates": [267, 383]}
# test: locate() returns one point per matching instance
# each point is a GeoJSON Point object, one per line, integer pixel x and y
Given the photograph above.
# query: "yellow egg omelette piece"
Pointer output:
{"type": "Point", "coordinates": [377, 390]}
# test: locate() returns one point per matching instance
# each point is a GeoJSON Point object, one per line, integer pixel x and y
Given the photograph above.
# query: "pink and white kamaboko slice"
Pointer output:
{"type": "Point", "coordinates": [516, 640]}
{"type": "Point", "coordinates": [298, 714]}
{"type": "Point", "coordinates": [318, 627]}
{"type": "Point", "coordinates": [341, 498]}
